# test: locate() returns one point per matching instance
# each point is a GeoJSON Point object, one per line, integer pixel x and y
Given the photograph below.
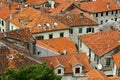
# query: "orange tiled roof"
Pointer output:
{"type": "Point", "coordinates": [36, 2]}
{"type": "Point", "coordinates": [96, 74]}
{"type": "Point", "coordinates": [95, 6]}
{"type": "Point", "coordinates": [5, 12]}
{"type": "Point", "coordinates": [109, 78]}
{"type": "Point", "coordinates": [18, 35]}
{"type": "Point", "coordinates": [64, 60]}
{"type": "Point", "coordinates": [116, 58]}
{"type": "Point", "coordinates": [17, 61]}
{"type": "Point", "coordinates": [59, 45]}
{"type": "Point", "coordinates": [36, 21]}
{"type": "Point", "coordinates": [100, 43]}
{"type": "Point", "coordinates": [74, 20]}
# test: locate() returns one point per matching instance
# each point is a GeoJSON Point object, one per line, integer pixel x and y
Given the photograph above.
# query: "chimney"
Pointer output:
{"type": "Point", "coordinates": [108, 6]}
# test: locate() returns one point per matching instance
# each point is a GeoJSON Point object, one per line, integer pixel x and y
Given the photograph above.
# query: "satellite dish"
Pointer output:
{"type": "Point", "coordinates": [99, 66]}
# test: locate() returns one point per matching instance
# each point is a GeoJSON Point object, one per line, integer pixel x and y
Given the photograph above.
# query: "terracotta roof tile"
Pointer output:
{"type": "Point", "coordinates": [64, 60]}
{"type": "Point", "coordinates": [109, 78]}
{"type": "Point", "coordinates": [10, 58]}
{"type": "Point", "coordinates": [96, 74]}
{"type": "Point", "coordinates": [73, 20]}
{"type": "Point", "coordinates": [36, 21]}
{"type": "Point", "coordinates": [37, 2]}
{"type": "Point", "coordinates": [116, 58]}
{"type": "Point", "coordinates": [18, 35]}
{"type": "Point", "coordinates": [95, 6]}
{"type": "Point", "coordinates": [5, 12]}
{"type": "Point", "coordinates": [59, 45]}
{"type": "Point", "coordinates": [100, 43]}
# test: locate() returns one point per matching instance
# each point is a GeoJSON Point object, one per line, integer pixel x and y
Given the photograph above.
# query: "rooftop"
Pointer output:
{"type": "Point", "coordinates": [59, 45]}
{"type": "Point", "coordinates": [102, 42]}
{"type": "Point", "coordinates": [36, 21]}
{"type": "Point", "coordinates": [65, 61]}
{"type": "Point", "coordinates": [116, 58]}
{"type": "Point", "coordinates": [95, 6]}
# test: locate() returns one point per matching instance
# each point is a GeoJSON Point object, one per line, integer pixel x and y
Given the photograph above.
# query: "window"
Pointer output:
{"type": "Point", "coordinates": [101, 14]}
{"type": "Point", "coordinates": [108, 60]}
{"type": "Point", "coordinates": [116, 11]}
{"type": "Point", "coordinates": [62, 34]}
{"type": "Point", "coordinates": [106, 13]}
{"type": "Point", "coordinates": [50, 36]}
{"type": "Point", "coordinates": [115, 19]}
{"type": "Point", "coordinates": [96, 14]}
{"type": "Point", "coordinates": [39, 53]}
{"type": "Point", "coordinates": [101, 22]}
{"type": "Point", "coordinates": [2, 23]}
{"type": "Point", "coordinates": [77, 70]}
{"type": "Point", "coordinates": [93, 30]}
{"type": "Point", "coordinates": [59, 71]}
{"type": "Point", "coordinates": [112, 12]}
{"type": "Point", "coordinates": [71, 31]}
{"type": "Point", "coordinates": [106, 21]}
{"type": "Point", "coordinates": [80, 30]}
{"type": "Point", "coordinates": [40, 37]}
{"type": "Point", "coordinates": [80, 43]}
{"type": "Point", "coordinates": [89, 30]}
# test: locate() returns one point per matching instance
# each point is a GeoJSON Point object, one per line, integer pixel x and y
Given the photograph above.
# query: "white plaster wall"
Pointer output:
{"type": "Point", "coordinates": [56, 34]}
{"type": "Point", "coordinates": [14, 27]}
{"type": "Point", "coordinates": [75, 34]}
{"type": "Point", "coordinates": [104, 17]}
{"type": "Point", "coordinates": [45, 52]}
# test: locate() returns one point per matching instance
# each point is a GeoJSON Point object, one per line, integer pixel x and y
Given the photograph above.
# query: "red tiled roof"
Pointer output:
{"type": "Point", "coordinates": [100, 43]}
{"type": "Point", "coordinates": [59, 45]}
{"type": "Point", "coordinates": [99, 6]}
{"type": "Point", "coordinates": [5, 12]}
{"type": "Point", "coordinates": [74, 20]}
{"type": "Point", "coordinates": [116, 58]}
{"type": "Point", "coordinates": [30, 18]}
{"type": "Point", "coordinates": [96, 74]}
{"type": "Point", "coordinates": [64, 60]}
{"type": "Point", "coordinates": [18, 35]}
{"type": "Point", "coordinates": [17, 61]}
{"type": "Point", "coordinates": [38, 2]}
{"type": "Point", "coordinates": [109, 78]}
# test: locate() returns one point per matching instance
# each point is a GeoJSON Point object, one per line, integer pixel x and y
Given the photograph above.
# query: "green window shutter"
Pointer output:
{"type": "Point", "coordinates": [80, 30]}
{"type": "Point", "coordinates": [93, 30]}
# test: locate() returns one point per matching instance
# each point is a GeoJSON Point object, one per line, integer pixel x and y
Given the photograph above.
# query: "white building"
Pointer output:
{"type": "Point", "coordinates": [41, 25]}
{"type": "Point", "coordinates": [102, 10]}
{"type": "Point", "coordinates": [70, 67]}
{"type": "Point", "coordinates": [100, 47]}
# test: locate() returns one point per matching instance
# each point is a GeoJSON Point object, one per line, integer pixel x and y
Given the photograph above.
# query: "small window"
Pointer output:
{"type": "Point", "coordinates": [50, 36]}
{"type": "Point", "coordinates": [102, 14]}
{"type": "Point", "coordinates": [10, 56]}
{"type": "Point", "coordinates": [112, 12]}
{"type": "Point", "coordinates": [2, 23]}
{"type": "Point", "coordinates": [96, 14]}
{"type": "Point", "coordinates": [3, 30]}
{"type": "Point", "coordinates": [77, 70]}
{"type": "Point", "coordinates": [106, 13]}
{"type": "Point", "coordinates": [59, 71]}
{"type": "Point", "coordinates": [89, 30]}
{"type": "Point", "coordinates": [93, 30]}
{"type": "Point", "coordinates": [101, 22]}
{"type": "Point", "coordinates": [80, 30]}
{"type": "Point", "coordinates": [71, 31]}
{"type": "Point", "coordinates": [62, 34]}
{"type": "Point", "coordinates": [40, 37]}
{"type": "Point", "coordinates": [115, 19]}
{"type": "Point", "coordinates": [39, 53]}
{"type": "Point", "coordinates": [116, 11]}
{"type": "Point", "coordinates": [108, 60]}
{"type": "Point", "coordinates": [106, 21]}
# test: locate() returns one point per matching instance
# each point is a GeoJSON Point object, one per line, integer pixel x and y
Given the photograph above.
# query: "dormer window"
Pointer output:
{"type": "Point", "coordinates": [10, 56]}
{"type": "Point", "coordinates": [77, 70]}
{"type": "Point", "coordinates": [59, 71]}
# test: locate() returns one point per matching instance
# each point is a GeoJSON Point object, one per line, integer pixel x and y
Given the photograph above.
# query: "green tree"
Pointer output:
{"type": "Point", "coordinates": [33, 72]}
